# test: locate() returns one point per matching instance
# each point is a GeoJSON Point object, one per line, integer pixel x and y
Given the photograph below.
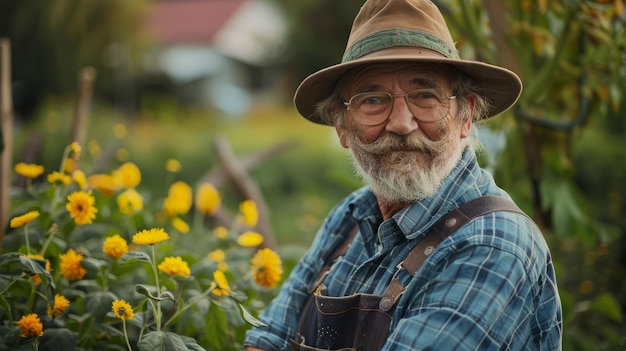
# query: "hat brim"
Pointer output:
{"type": "Point", "coordinates": [500, 86]}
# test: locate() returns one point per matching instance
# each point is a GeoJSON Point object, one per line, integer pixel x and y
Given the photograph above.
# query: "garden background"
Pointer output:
{"type": "Point", "coordinates": [209, 83]}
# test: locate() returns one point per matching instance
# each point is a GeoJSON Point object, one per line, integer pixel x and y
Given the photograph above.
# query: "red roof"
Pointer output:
{"type": "Point", "coordinates": [190, 21]}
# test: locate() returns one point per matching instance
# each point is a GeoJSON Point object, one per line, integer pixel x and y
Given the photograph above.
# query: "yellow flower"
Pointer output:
{"type": "Point", "coordinates": [79, 178]}
{"type": "Point", "coordinates": [266, 268]}
{"type": "Point", "coordinates": [208, 200]}
{"type": "Point", "coordinates": [249, 213]}
{"type": "Point", "coordinates": [35, 277]}
{"type": "Point", "coordinates": [220, 232]}
{"type": "Point", "coordinates": [173, 165]}
{"type": "Point", "coordinates": [30, 326]}
{"type": "Point", "coordinates": [250, 239]}
{"type": "Point", "coordinates": [23, 219]}
{"type": "Point", "coordinates": [81, 207]}
{"type": "Point", "coordinates": [218, 256]}
{"type": "Point", "coordinates": [222, 288]}
{"type": "Point", "coordinates": [180, 225]}
{"type": "Point", "coordinates": [76, 150]}
{"type": "Point", "coordinates": [29, 170]}
{"type": "Point", "coordinates": [130, 201]}
{"type": "Point", "coordinates": [94, 148]}
{"type": "Point", "coordinates": [174, 266]}
{"type": "Point", "coordinates": [105, 183]}
{"type": "Point", "coordinates": [122, 310]}
{"type": "Point", "coordinates": [71, 267]}
{"type": "Point", "coordinates": [69, 166]}
{"type": "Point", "coordinates": [128, 175]}
{"type": "Point", "coordinates": [115, 246]}
{"type": "Point", "coordinates": [178, 200]}
{"type": "Point", "coordinates": [60, 305]}
{"type": "Point", "coordinates": [119, 130]}
{"type": "Point", "coordinates": [58, 177]}
{"type": "Point", "coordinates": [150, 236]}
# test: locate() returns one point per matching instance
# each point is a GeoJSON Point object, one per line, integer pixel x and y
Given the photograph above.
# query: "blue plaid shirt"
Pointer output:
{"type": "Point", "coordinates": [489, 286]}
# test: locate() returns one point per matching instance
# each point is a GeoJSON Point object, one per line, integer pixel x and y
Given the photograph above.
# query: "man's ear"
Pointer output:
{"type": "Point", "coordinates": [341, 133]}
{"type": "Point", "coordinates": [466, 125]}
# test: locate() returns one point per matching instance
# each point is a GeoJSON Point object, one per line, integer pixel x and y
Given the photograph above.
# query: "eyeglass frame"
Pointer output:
{"type": "Point", "coordinates": [436, 93]}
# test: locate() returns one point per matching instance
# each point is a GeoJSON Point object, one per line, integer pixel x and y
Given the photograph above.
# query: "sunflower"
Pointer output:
{"type": "Point", "coordinates": [173, 165]}
{"type": "Point", "coordinates": [180, 225]}
{"type": "Point", "coordinates": [174, 266]}
{"type": "Point", "coordinates": [208, 199]}
{"type": "Point", "coordinates": [249, 213]}
{"type": "Point", "coordinates": [71, 267]}
{"type": "Point", "coordinates": [150, 236]}
{"type": "Point", "coordinates": [61, 303]}
{"type": "Point", "coordinates": [250, 239]}
{"type": "Point", "coordinates": [222, 288]}
{"type": "Point", "coordinates": [179, 199]}
{"type": "Point", "coordinates": [59, 177]}
{"type": "Point", "coordinates": [80, 178]}
{"type": "Point", "coordinates": [81, 207]}
{"type": "Point", "coordinates": [128, 175]}
{"type": "Point", "coordinates": [122, 310]}
{"type": "Point", "coordinates": [30, 326]}
{"type": "Point", "coordinates": [23, 219]}
{"type": "Point", "coordinates": [29, 170]}
{"type": "Point", "coordinates": [115, 246]}
{"type": "Point", "coordinates": [130, 201]}
{"type": "Point", "coordinates": [218, 256]}
{"type": "Point", "coordinates": [266, 268]}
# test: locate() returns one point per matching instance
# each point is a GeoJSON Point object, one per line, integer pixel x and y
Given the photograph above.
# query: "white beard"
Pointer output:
{"type": "Point", "coordinates": [405, 168]}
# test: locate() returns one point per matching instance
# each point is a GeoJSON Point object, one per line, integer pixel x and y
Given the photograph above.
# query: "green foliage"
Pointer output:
{"type": "Point", "coordinates": [90, 289]}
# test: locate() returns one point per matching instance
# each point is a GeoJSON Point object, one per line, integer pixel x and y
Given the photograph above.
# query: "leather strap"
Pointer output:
{"type": "Point", "coordinates": [328, 262]}
{"type": "Point", "coordinates": [442, 229]}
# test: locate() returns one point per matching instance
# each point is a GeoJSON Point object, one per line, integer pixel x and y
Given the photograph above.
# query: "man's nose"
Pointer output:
{"type": "Point", "coordinates": [401, 120]}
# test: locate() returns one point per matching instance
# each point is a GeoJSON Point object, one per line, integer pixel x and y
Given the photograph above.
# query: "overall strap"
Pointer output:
{"type": "Point", "coordinates": [442, 229]}
{"type": "Point", "coordinates": [329, 260]}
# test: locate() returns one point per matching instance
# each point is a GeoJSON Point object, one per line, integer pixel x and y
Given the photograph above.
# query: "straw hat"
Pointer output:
{"type": "Point", "coordinates": [405, 31]}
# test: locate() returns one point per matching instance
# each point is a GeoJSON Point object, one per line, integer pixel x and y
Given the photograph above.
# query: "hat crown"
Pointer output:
{"type": "Point", "coordinates": [383, 24]}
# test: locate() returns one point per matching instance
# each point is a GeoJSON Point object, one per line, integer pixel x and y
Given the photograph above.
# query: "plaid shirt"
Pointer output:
{"type": "Point", "coordinates": [489, 286]}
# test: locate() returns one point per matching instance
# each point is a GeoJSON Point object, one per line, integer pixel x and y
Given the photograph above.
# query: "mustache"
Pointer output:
{"type": "Point", "coordinates": [415, 142]}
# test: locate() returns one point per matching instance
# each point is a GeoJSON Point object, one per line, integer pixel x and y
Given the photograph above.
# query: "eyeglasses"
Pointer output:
{"type": "Point", "coordinates": [374, 108]}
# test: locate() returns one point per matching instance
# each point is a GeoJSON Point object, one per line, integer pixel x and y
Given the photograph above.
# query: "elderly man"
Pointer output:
{"type": "Point", "coordinates": [430, 254]}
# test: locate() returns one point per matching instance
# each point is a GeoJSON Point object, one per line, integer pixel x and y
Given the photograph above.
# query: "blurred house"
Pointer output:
{"type": "Point", "coordinates": [218, 52]}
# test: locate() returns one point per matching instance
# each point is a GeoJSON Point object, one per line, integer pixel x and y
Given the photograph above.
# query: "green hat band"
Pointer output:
{"type": "Point", "coordinates": [395, 37]}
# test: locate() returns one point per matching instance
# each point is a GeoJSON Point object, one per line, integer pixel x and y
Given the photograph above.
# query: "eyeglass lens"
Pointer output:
{"type": "Point", "coordinates": [372, 108]}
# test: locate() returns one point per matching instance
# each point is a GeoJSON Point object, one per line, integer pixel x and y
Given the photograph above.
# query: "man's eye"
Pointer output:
{"type": "Point", "coordinates": [373, 100]}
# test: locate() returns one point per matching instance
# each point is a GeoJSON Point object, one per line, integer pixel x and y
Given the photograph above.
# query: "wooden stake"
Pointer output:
{"type": "Point", "coordinates": [86, 79]}
{"type": "Point", "coordinates": [6, 130]}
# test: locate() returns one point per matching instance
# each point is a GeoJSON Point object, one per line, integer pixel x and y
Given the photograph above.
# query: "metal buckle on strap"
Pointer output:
{"type": "Point", "coordinates": [393, 291]}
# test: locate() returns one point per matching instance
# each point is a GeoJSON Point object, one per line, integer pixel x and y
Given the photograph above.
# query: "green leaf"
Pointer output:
{"type": "Point", "coordinates": [250, 318]}
{"type": "Point", "coordinates": [99, 303]}
{"type": "Point", "coordinates": [191, 343]}
{"type": "Point", "coordinates": [8, 258]}
{"type": "Point", "coordinates": [54, 339]}
{"type": "Point", "coordinates": [32, 265]}
{"type": "Point", "coordinates": [146, 290]}
{"type": "Point", "coordinates": [608, 306]}
{"type": "Point", "coordinates": [158, 340]}
{"type": "Point", "coordinates": [135, 256]}
{"type": "Point", "coordinates": [216, 328]}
